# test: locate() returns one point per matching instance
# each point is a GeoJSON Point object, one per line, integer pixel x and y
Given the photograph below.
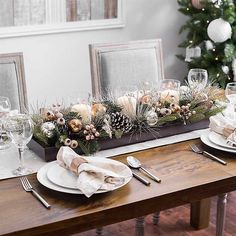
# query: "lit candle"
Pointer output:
{"type": "Point", "coordinates": [84, 111]}
{"type": "Point", "coordinates": [171, 96]}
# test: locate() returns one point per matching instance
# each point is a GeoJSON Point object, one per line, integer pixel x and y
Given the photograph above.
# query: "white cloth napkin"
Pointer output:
{"type": "Point", "coordinates": [93, 173]}
{"type": "Point", "coordinates": [224, 126]}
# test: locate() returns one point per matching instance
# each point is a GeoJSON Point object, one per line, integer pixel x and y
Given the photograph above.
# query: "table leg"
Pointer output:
{"type": "Point", "coordinates": [200, 213]}
{"type": "Point", "coordinates": [156, 218]}
{"type": "Point", "coordinates": [221, 210]}
{"type": "Point", "coordinates": [99, 232]}
{"type": "Point", "coordinates": [139, 228]}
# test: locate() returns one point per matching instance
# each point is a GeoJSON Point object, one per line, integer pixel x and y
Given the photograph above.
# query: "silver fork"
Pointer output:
{"type": "Point", "coordinates": [28, 188]}
{"type": "Point", "coordinates": [197, 150]}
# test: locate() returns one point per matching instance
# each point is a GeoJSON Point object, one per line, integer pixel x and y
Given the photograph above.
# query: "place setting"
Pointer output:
{"type": "Point", "coordinates": [221, 135]}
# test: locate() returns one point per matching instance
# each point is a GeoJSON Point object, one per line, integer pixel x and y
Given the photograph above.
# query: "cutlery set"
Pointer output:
{"type": "Point", "coordinates": [136, 164]}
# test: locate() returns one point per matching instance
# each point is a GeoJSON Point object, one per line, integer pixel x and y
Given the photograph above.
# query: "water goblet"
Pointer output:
{"type": "Point", "coordinates": [5, 107]}
{"type": "Point", "coordinates": [230, 93]}
{"type": "Point", "coordinates": [197, 79]}
{"type": "Point", "coordinates": [20, 129]}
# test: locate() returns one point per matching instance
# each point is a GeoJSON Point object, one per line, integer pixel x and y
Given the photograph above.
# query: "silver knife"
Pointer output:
{"type": "Point", "coordinates": [141, 179]}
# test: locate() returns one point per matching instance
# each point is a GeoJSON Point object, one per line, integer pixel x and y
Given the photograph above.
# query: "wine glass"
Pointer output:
{"type": "Point", "coordinates": [230, 93]}
{"type": "Point", "coordinates": [5, 107]}
{"type": "Point", "coordinates": [20, 129]}
{"type": "Point", "coordinates": [197, 79]}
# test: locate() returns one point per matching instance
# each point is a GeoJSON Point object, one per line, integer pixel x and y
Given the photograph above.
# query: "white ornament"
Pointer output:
{"type": "Point", "coordinates": [192, 53]}
{"type": "Point", "coordinates": [128, 105]}
{"type": "Point", "coordinates": [219, 30]}
{"type": "Point", "coordinates": [209, 45]}
{"type": "Point", "coordinates": [84, 110]}
{"type": "Point", "coordinates": [225, 69]}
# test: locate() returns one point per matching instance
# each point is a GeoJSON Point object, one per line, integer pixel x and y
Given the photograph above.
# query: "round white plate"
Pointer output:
{"type": "Point", "coordinates": [42, 177]}
{"type": "Point", "coordinates": [219, 140]}
{"type": "Point", "coordinates": [206, 140]}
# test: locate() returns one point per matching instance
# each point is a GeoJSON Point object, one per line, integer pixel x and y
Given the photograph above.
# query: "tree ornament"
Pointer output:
{"type": "Point", "coordinates": [225, 69]}
{"type": "Point", "coordinates": [98, 109]}
{"type": "Point", "coordinates": [120, 122]}
{"type": "Point", "coordinates": [209, 45]}
{"type": "Point", "coordinates": [192, 52]}
{"type": "Point", "coordinates": [198, 4]}
{"type": "Point", "coordinates": [151, 117]}
{"type": "Point", "coordinates": [219, 30]}
{"type": "Point", "coordinates": [75, 125]}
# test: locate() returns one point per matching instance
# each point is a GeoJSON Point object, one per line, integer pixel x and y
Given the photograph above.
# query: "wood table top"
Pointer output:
{"type": "Point", "coordinates": [186, 177]}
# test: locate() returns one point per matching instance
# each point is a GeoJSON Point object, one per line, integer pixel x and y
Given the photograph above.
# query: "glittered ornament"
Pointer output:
{"type": "Point", "coordinates": [47, 129]}
{"type": "Point", "coordinates": [219, 30]}
{"type": "Point", "coordinates": [152, 118]}
{"type": "Point", "coordinates": [225, 69]}
{"type": "Point", "coordinates": [75, 125]}
{"type": "Point", "coordinates": [198, 4]}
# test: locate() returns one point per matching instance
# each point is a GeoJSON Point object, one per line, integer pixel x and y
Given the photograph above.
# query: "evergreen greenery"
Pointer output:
{"type": "Point", "coordinates": [196, 29]}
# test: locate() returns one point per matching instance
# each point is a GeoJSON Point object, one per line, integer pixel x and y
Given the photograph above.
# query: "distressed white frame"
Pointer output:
{"type": "Point", "coordinates": [54, 16]}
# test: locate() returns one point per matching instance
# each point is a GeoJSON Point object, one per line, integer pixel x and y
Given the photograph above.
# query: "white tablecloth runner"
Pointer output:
{"type": "Point", "coordinates": [9, 158]}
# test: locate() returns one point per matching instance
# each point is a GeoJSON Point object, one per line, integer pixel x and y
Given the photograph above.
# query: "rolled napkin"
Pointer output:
{"type": "Point", "coordinates": [226, 127]}
{"type": "Point", "coordinates": [93, 175]}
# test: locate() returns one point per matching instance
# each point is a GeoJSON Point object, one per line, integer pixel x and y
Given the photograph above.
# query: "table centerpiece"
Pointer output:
{"type": "Point", "coordinates": [113, 121]}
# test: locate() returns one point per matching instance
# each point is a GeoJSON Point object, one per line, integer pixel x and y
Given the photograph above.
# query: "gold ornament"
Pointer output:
{"type": "Point", "coordinates": [145, 99]}
{"type": "Point", "coordinates": [75, 125]}
{"type": "Point", "coordinates": [98, 109]}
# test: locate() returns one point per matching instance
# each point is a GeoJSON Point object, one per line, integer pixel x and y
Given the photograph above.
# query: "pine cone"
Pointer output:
{"type": "Point", "coordinates": [120, 122]}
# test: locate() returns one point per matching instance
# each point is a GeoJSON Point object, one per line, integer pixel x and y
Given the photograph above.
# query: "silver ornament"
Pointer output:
{"type": "Point", "coordinates": [47, 128]}
{"type": "Point", "coordinates": [152, 118]}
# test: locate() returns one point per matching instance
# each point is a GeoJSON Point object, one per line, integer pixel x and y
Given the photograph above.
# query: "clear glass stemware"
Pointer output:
{"type": "Point", "coordinates": [230, 93]}
{"type": "Point", "coordinates": [5, 107]}
{"type": "Point", "coordinates": [20, 129]}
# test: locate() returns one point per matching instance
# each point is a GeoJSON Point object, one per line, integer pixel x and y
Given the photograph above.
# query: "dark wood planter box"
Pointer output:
{"type": "Point", "coordinates": [49, 153]}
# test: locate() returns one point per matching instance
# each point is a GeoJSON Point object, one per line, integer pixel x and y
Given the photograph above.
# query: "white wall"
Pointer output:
{"type": "Point", "coordinates": [57, 65]}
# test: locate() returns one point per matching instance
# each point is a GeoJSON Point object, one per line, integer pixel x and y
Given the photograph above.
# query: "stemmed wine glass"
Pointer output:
{"type": "Point", "coordinates": [230, 93]}
{"type": "Point", "coordinates": [5, 107]}
{"type": "Point", "coordinates": [20, 129]}
{"type": "Point", "coordinates": [197, 79]}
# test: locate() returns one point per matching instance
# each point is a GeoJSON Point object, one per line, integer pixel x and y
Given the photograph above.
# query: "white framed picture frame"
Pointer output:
{"type": "Point", "coordinates": [55, 21]}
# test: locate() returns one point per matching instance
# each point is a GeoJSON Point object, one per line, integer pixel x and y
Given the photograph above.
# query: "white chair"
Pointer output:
{"type": "Point", "coordinates": [12, 80]}
{"type": "Point", "coordinates": [126, 64]}
{"type": "Point", "coordinates": [129, 64]}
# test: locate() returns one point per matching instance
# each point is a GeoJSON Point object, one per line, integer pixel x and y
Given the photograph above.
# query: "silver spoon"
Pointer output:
{"type": "Point", "coordinates": [135, 163]}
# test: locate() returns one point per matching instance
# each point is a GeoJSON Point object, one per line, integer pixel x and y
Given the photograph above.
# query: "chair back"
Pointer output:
{"type": "Point", "coordinates": [12, 80]}
{"type": "Point", "coordinates": [125, 64]}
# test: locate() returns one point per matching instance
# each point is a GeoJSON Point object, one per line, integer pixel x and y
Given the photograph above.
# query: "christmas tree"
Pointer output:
{"type": "Point", "coordinates": [211, 38]}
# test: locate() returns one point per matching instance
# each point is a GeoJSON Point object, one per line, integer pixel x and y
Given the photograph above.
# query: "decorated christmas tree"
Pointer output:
{"type": "Point", "coordinates": [210, 38]}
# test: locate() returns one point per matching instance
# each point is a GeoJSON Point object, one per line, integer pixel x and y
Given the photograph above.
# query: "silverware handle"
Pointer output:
{"type": "Point", "coordinates": [41, 199]}
{"type": "Point", "coordinates": [151, 175]}
{"type": "Point", "coordinates": [215, 158]}
{"type": "Point", "coordinates": [141, 179]}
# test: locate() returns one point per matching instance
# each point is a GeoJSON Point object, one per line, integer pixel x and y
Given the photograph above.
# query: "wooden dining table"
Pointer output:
{"type": "Point", "coordinates": [186, 177]}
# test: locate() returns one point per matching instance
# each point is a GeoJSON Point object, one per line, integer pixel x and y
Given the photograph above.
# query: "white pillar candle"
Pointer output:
{"type": "Point", "coordinates": [171, 96]}
{"type": "Point", "coordinates": [84, 111]}
{"type": "Point", "coordinates": [128, 105]}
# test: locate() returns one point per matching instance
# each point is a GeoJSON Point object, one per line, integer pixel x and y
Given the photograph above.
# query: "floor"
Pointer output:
{"type": "Point", "coordinates": [175, 222]}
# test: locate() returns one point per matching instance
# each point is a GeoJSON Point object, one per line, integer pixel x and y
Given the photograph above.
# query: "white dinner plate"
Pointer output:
{"type": "Point", "coordinates": [219, 140]}
{"type": "Point", "coordinates": [206, 140]}
{"type": "Point", "coordinates": [42, 177]}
